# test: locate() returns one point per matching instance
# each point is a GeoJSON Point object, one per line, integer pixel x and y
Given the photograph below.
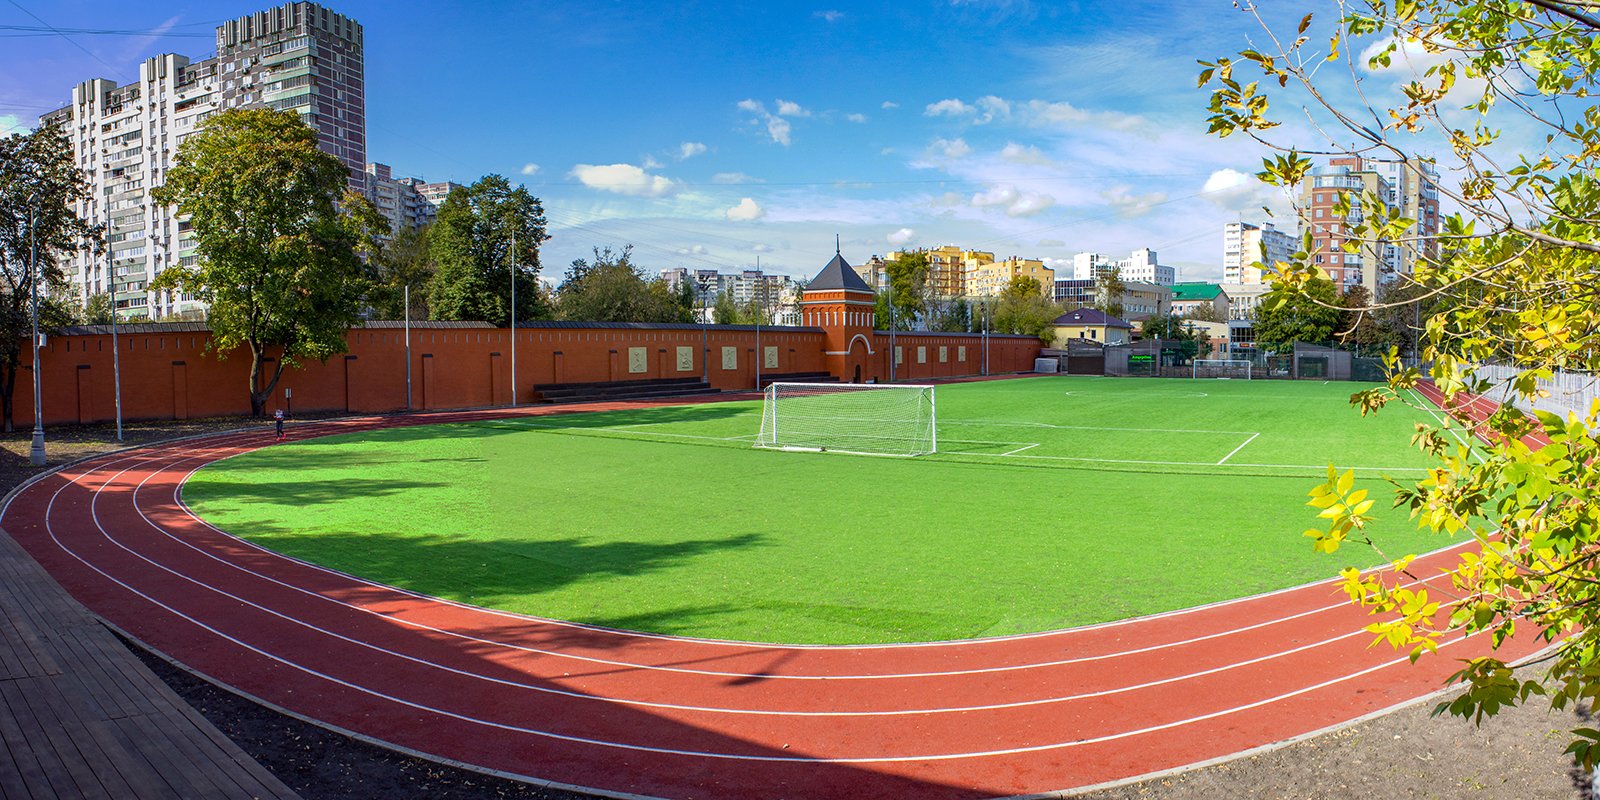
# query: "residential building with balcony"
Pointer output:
{"type": "Point", "coordinates": [298, 56]}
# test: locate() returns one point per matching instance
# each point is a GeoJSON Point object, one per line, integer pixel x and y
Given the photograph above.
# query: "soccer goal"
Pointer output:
{"type": "Point", "coordinates": [1222, 368]}
{"type": "Point", "coordinates": [863, 419]}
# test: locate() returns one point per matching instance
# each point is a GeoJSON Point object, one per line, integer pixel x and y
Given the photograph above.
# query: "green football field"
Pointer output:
{"type": "Point", "coordinates": [1054, 501]}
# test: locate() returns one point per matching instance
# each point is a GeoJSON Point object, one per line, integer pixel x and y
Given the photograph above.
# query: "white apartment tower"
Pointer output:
{"type": "Point", "coordinates": [1140, 266]}
{"type": "Point", "coordinates": [297, 56]}
{"type": "Point", "coordinates": [1242, 245]}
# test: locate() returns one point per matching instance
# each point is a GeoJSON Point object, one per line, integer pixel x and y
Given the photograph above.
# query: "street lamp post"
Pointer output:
{"type": "Point", "coordinates": [36, 452]}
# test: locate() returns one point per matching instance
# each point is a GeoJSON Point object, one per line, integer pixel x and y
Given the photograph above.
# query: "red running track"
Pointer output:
{"type": "Point", "coordinates": [638, 714]}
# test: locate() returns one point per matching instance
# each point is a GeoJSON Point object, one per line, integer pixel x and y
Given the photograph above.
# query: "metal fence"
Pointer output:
{"type": "Point", "coordinates": [1567, 392]}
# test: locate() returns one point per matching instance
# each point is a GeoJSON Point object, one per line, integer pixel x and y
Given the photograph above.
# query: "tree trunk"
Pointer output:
{"type": "Point", "coordinates": [258, 399]}
{"type": "Point", "coordinates": [8, 391]}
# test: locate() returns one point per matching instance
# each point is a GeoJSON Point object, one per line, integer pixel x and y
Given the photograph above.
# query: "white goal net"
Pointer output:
{"type": "Point", "coordinates": [1222, 368]}
{"type": "Point", "coordinates": [864, 419]}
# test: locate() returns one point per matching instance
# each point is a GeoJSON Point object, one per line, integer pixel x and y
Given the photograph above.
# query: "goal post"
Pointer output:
{"type": "Point", "coordinates": [1222, 368]}
{"type": "Point", "coordinates": [879, 419]}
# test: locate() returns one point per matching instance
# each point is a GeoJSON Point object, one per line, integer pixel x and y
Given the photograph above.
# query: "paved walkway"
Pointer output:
{"type": "Point", "coordinates": [81, 717]}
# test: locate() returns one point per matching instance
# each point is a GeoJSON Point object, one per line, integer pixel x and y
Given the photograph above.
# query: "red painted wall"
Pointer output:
{"type": "Point", "coordinates": [171, 375]}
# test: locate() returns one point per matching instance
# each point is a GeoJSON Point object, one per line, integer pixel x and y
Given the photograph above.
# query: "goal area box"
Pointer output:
{"type": "Point", "coordinates": [1222, 368]}
{"type": "Point", "coordinates": [878, 419]}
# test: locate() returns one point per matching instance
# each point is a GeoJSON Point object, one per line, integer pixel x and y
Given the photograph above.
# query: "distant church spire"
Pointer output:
{"type": "Point", "coordinates": [836, 244]}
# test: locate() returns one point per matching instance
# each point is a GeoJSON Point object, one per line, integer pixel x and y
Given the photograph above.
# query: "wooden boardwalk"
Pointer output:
{"type": "Point", "coordinates": [80, 716]}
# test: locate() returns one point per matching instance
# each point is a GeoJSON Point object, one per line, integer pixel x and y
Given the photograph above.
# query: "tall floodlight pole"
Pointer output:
{"type": "Point", "coordinates": [116, 354]}
{"type": "Point", "coordinates": [760, 309]}
{"type": "Point", "coordinates": [513, 318]}
{"type": "Point", "coordinates": [705, 332]}
{"type": "Point", "coordinates": [893, 353]}
{"type": "Point", "coordinates": [407, 298]}
{"type": "Point", "coordinates": [985, 315]}
{"type": "Point", "coordinates": [36, 453]}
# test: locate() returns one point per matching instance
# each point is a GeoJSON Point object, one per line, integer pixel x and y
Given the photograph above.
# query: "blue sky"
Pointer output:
{"type": "Point", "coordinates": [711, 134]}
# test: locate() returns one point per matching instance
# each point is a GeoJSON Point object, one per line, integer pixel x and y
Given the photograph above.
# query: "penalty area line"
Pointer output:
{"type": "Point", "coordinates": [1237, 449]}
{"type": "Point", "coordinates": [1020, 449]}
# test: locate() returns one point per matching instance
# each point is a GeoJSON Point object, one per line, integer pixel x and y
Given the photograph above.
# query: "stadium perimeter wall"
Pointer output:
{"type": "Point", "coordinates": [169, 372]}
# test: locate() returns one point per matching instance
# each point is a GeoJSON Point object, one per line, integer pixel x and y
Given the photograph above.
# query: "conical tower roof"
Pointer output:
{"type": "Point", "coordinates": [838, 275]}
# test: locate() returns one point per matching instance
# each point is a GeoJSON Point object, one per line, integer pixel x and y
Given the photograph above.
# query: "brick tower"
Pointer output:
{"type": "Point", "coordinates": [842, 304]}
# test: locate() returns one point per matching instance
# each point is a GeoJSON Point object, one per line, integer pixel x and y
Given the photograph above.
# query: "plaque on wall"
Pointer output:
{"type": "Point", "coordinates": [638, 359]}
{"type": "Point", "coordinates": [685, 359]}
{"type": "Point", "coordinates": [922, 354]}
{"type": "Point", "coordinates": [730, 358]}
{"type": "Point", "coordinates": [944, 353]}
{"type": "Point", "coordinates": [961, 353]}
{"type": "Point", "coordinates": [770, 358]}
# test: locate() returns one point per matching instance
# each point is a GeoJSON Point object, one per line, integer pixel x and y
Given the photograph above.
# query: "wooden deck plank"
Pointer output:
{"type": "Point", "coordinates": [81, 716]}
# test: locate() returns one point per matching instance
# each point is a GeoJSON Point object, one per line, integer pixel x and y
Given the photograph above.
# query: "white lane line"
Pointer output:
{"type": "Point", "coordinates": [1020, 449]}
{"type": "Point", "coordinates": [646, 748]}
{"type": "Point", "coordinates": [991, 423]}
{"type": "Point", "coordinates": [1237, 449]}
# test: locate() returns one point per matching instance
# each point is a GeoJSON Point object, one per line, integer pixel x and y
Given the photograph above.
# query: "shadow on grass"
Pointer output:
{"type": "Point", "coordinates": [301, 493]}
{"type": "Point", "coordinates": [508, 573]}
{"type": "Point", "coordinates": [424, 430]}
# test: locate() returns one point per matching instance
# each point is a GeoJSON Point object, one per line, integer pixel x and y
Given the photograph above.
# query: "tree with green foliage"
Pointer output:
{"type": "Point", "coordinates": [612, 289]}
{"type": "Point", "coordinates": [954, 316]}
{"type": "Point", "coordinates": [471, 245]}
{"type": "Point", "coordinates": [1190, 341]}
{"type": "Point", "coordinates": [95, 312]}
{"type": "Point", "coordinates": [1023, 309]}
{"type": "Point", "coordinates": [725, 311]}
{"type": "Point", "coordinates": [39, 184]}
{"type": "Point", "coordinates": [1308, 315]}
{"type": "Point", "coordinates": [404, 261]}
{"type": "Point", "coordinates": [1357, 327]}
{"type": "Point", "coordinates": [909, 287]}
{"type": "Point", "coordinates": [1109, 289]}
{"type": "Point", "coordinates": [1511, 279]}
{"type": "Point", "coordinates": [279, 240]}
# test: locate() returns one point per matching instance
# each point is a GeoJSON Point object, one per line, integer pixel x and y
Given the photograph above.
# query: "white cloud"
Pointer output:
{"type": "Point", "coordinates": [746, 211]}
{"type": "Point", "coordinates": [830, 15]}
{"type": "Point", "coordinates": [689, 150]}
{"type": "Point", "coordinates": [1025, 154]}
{"type": "Point", "coordinates": [11, 123]}
{"type": "Point", "coordinates": [789, 109]}
{"type": "Point", "coordinates": [857, 117]}
{"type": "Point", "coordinates": [948, 108]}
{"type": "Point", "coordinates": [733, 178]}
{"type": "Point", "coordinates": [900, 237]}
{"type": "Point", "coordinates": [697, 250]}
{"type": "Point", "coordinates": [1052, 243]}
{"type": "Point", "coordinates": [624, 179]}
{"type": "Point", "coordinates": [950, 148]}
{"type": "Point", "coordinates": [778, 128]}
{"type": "Point", "coordinates": [1128, 204]}
{"type": "Point", "coordinates": [993, 108]}
{"type": "Point", "coordinates": [530, 168]}
{"type": "Point", "coordinates": [650, 162]}
{"type": "Point", "coordinates": [888, 104]}
{"type": "Point", "coordinates": [1241, 193]}
{"type": "Point", "coordinates": [1013, 202]}
{"type": "Point", "coordinates": [762, 248]}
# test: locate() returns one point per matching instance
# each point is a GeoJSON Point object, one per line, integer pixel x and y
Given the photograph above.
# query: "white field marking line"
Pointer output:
{"type": "Point", "coordinates": [521, 648]}
{"type": "Point", "coordinates": [94, 510]}
{"type": "Point", "coordinates": [1020, 449]}
{"type": "Point", "coordinates": [1144, 394]}
{"type": "Point", "coordinates": [239, 440]}
{"type": "Point", "coordinates": [1208, 464]}
{"type": "Point", "coordinates": [988, 423]}
{"type": "Point", "coordinates": [625, 430]}
{"type": "Point", "coordinates": [1429, 406]}
{"type": "Point", "coordinates": [766, 646]}
{"type": "Point", "coordinates": [1237, 449]}
{"type": "Point", "coordinates": [705, 754]}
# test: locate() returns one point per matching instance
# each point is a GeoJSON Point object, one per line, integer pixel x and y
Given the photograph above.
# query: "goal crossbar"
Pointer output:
{"type": "Point", "coordinates": [860, 419]}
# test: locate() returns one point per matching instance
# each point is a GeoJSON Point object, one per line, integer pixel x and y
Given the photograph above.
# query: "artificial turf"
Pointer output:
{"type": "Point", "coordinates": [667, 520]}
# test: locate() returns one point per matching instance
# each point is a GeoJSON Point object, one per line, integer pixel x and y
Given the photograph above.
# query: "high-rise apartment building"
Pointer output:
{"type": "Point", "coordinates": [297, 56]}
{"type": "Point", "coordinates": [1141, 266]}
{"type": "Point", "coordinates": [1410, 190]}
{"type": "Point", "coordinates": [408, 203]}
{"type": "Point", "coordinates": [1244, 244]}
{"type": "Point", "coordinates": [991, 279]}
